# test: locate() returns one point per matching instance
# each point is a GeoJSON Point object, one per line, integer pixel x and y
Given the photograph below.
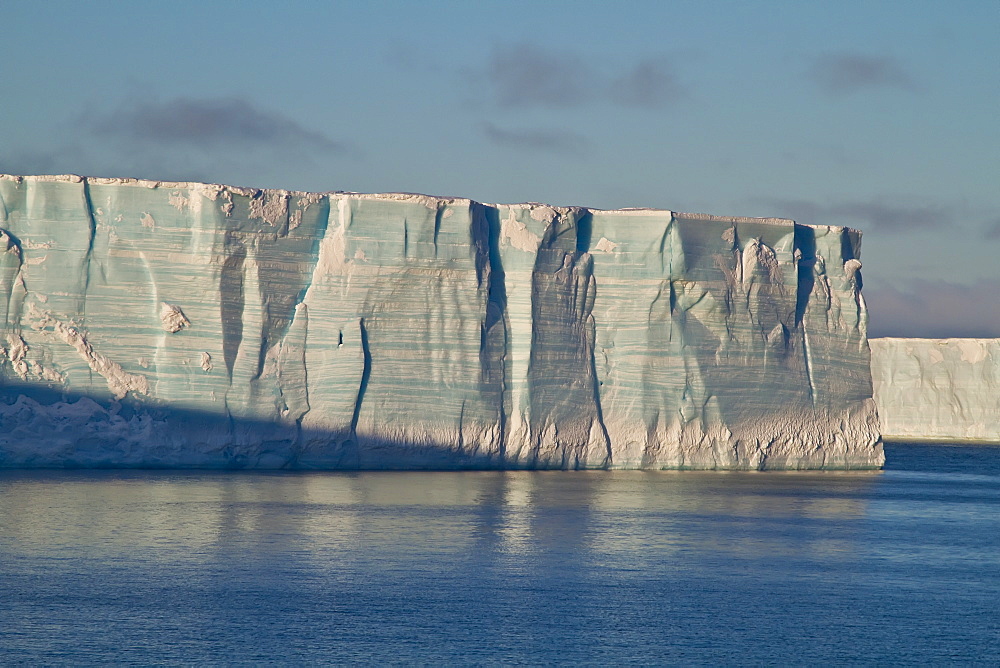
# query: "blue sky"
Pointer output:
{"type": "Point", "coordinates": [883, 116]}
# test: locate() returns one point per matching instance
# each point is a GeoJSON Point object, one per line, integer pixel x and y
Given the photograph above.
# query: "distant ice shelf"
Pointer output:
{"type": "Point", "coordinates": [193, 325]}
{"type": "Point", "coordinates": [942, 390]}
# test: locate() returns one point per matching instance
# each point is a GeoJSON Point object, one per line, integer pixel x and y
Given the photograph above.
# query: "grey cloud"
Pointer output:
{"type": "Point", "coordinates": [893, 216]}
{"type": "Point", "coordinates": [884, 214]}
{"type": "Point", "coordinates": [841, 73]}
{"type": "Point", "coordinates": [526, 75]}
{"type": "Point", "coordinates": [64, 160]}
{"type": "Point", "coordinates": [934, 309]}
{"type": "Point", "coordinates": [650, 84]}
{"type": "Point", "coordinates": [205, 122]}
{"type": "Point", "coordinates": [800, 210]}
{"type": "Point", "coordinates": [557, 141]}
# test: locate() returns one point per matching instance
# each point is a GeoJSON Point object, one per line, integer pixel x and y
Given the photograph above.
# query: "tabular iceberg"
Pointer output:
{"type": "Point", "coordinates": [938, 389]}
{"type": "Point", "coordinates": [185, 324]}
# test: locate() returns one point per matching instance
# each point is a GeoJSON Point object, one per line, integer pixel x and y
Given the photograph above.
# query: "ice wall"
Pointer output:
{"type": "Point", "coordinates": [184, 324]}
{"type": "Point", "coordinates": [945, 390]}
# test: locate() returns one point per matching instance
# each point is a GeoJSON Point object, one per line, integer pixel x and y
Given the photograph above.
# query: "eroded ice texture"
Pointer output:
{"type": "Point", "coordinates": [938, 389]}
{"type": "Point", "coordinates": [178, 324]}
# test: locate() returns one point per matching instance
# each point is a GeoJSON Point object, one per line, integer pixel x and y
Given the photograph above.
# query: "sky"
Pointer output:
{"type": "Point", "coordinates": [883, 116]}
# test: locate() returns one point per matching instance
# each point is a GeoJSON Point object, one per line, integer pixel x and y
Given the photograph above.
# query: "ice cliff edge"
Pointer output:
{"type": "Point", "coordinates": [183, 324]}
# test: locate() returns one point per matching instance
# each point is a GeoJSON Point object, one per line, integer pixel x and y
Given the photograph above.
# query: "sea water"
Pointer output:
{"type": "Point", "coordinates": [897, 566]}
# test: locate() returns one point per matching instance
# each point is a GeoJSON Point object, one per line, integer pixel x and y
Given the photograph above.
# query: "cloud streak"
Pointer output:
{"type": "Point", "coordinates": [556, 141]}
{"type": "Point", "coordinates": [883, 214]}
{"type": "Point", "coordinates": [934, 309]}
{"type": "Point", "coordinates": [72, 159]}
{"type": "Point", "coordinates": [205, 122]}
{"type": "Point", "coordinates": [845, 73]}
{"type": "Point", "coordinates": [889, 216]}
{"type": "Point", "coordinates": [184, 139]}
{"type": "Point", "coordinates": [992, 232]}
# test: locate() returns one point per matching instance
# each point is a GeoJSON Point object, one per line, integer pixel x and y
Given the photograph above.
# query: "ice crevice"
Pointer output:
{"type": "Point", "coordinates": [92, 235]}
{"type": "Point", "coordinates": [204, 325]}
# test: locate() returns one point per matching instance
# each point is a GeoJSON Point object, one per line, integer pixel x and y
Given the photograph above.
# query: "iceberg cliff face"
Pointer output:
{"type": "Point", "coordinates": [938, 389]}
{"type": "Point", "coordinates": [181, 324]}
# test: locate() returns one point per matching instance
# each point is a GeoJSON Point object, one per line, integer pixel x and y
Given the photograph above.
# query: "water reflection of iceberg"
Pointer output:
{"type": "Point", "coordinates": [519, 516]}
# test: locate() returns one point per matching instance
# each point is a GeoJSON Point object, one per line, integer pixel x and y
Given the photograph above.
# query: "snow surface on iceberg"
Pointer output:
{"type": "Point", "coordinates": [185, 324]}
{"type": "Point", "coordinates": [944, 390]}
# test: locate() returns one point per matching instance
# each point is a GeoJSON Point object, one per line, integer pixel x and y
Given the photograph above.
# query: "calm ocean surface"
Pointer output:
{"type": "Point", "coordinates": [899, 566]}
